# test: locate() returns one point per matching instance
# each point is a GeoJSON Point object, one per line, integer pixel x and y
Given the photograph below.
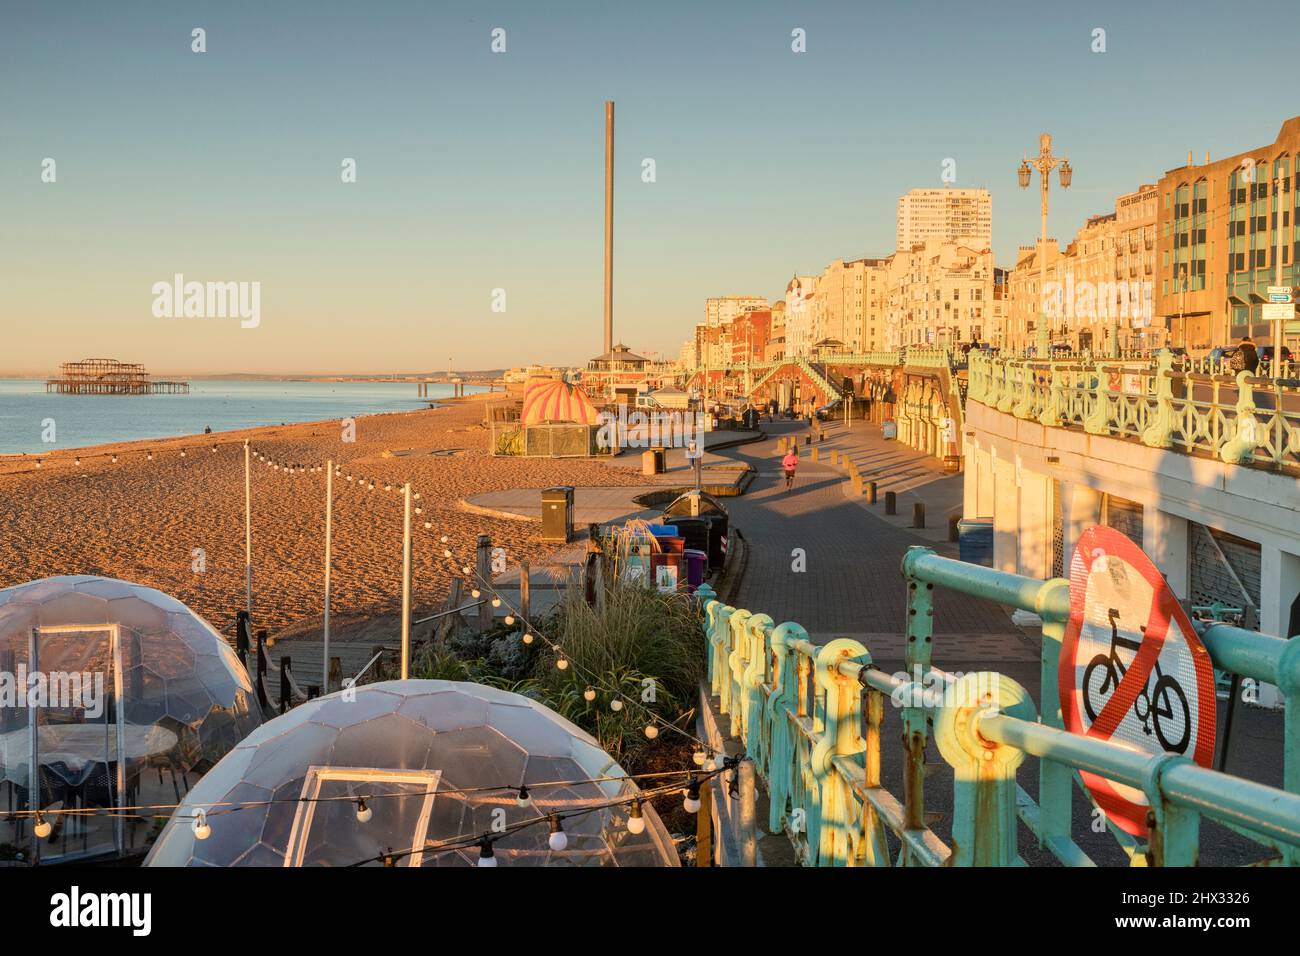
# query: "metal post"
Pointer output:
{"type": "Point", "coordinates": [748, 813]}
{"type": "Point", "coordinates": [609, 226]}
{"type": "Point", "coordinates": [525, 593]}
{"type": "Point", "coordinates": [329, 534]}
{"type": "Point", "coordinates": [406, 582]}
{"type": "Point", "coordinates": [248, 531]}
{"type": "Point", "coordinates": [1279, 326]}
{"type": "Point", "coordinates": [483, 565]}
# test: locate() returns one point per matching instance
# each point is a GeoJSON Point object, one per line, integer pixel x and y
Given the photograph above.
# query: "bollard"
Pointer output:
{"type": "Point", "coordinates": [891, 503]}
{"type": "Point", "coordinates": [814, 452]}
{"type": "Point", "coordinates": [954, 533]}
{"type": "Point", "coordinates": [871, 492]}
{"type": "Point", "coordinates": [918, 515]}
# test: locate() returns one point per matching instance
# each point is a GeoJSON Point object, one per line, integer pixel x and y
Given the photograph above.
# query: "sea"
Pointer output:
{"type": "Point", "coordinates": [28, 416]}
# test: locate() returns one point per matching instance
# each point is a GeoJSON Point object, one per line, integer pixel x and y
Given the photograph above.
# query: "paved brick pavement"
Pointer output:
{"type": "Point", "coordinates": [851, 586]}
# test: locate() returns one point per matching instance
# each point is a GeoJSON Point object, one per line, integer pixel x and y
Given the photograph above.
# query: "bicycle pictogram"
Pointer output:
{"type": "Point", "coordinates": [1159, 708]}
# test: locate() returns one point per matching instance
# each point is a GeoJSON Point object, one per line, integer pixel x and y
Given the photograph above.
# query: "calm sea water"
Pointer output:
{"type": "Point", "coordinates": [82, 420]}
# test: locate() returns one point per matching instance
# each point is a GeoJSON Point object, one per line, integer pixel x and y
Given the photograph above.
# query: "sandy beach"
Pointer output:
{"type": "Point", "coordinates": [141, 519]}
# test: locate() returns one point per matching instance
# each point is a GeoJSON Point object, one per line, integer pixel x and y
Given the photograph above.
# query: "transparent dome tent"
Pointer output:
{"type": "Point", "coordinates": [417, 770]}
{"type": "Point", "coordinates": [112, 695]}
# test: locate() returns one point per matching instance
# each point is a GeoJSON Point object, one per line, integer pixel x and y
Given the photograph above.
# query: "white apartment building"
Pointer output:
{"type": "Point", "coordinates": [963, 216]}
{"type": "Point", "coordinates": [721, 310]}
{"type": "Point", "coordinates": [940, 294]}
{"type": "Point", "coordinates": [851, 303]}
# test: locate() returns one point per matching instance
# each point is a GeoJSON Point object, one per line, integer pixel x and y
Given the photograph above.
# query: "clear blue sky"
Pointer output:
{"type": "Point", "coordinates": [479, 170]}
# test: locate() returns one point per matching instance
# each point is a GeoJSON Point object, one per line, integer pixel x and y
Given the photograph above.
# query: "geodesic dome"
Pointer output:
{"type": "Point", "coordinates": [436, 764]}
{"type": "Point", "coordinates": [112, 694]}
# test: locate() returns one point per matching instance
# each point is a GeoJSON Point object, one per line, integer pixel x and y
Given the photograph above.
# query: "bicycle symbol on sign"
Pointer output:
{"type": "Point", "coordinates": [1161, 708]}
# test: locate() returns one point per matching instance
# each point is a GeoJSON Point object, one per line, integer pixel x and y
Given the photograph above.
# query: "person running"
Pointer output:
{"type": "Point", "coordinates": [788, 464]}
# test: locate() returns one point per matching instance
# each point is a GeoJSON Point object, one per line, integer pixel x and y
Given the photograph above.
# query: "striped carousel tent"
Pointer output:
{"type": "Point", "coordinates": [557, 401]}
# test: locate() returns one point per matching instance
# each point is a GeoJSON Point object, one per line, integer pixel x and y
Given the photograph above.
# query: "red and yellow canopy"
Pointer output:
{"type": "Point", "coordinates": [557, 401]}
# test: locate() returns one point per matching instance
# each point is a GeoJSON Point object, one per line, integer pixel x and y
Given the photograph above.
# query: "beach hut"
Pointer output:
{"type": "Point", "coordinates": [112, 695]}
{"type": "Point", "coordinates": [417, 771]}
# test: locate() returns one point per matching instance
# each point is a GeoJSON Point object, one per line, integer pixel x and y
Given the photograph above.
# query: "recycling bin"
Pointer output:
{"type": "Point", "coordinates": [696, 563]}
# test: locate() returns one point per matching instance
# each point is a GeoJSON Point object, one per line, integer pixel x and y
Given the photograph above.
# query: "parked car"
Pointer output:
{"type": "Point", "coordinates": [834, 410]}
{"type": "Point", "coordinates": [1266, 353]}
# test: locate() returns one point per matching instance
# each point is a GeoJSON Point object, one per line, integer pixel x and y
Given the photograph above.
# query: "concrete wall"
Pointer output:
{"type": "Point", "coordinates": [1011, 464]}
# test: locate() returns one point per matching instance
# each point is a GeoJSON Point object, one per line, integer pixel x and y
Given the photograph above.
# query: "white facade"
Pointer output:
{"type": "Point", "coordinates": [964, 216]}
{"type": "Point", "coordinates": [721, 310]}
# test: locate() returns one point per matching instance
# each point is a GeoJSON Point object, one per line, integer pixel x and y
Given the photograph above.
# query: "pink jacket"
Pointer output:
{"type": "Point", "coordinates": [790, 461]}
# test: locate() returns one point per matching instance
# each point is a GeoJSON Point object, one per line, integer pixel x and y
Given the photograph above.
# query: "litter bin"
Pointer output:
{"type": "Point", "coordinates": [975, 541]}
{"type": "Point", "coordinates": [653, 461]}
{"type": "Point", "coordinates": [696, 562]}
{"type": "Point", "coordinates": [693, 510]}
{"type": "Point", "coordinates": [557, 514]}
{"type": "Point", "coordinates": [889, 430]}
{"type": "Point", "coordinates": [666, 572]}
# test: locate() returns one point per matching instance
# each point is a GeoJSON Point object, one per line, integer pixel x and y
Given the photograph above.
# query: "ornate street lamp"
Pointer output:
{"type": "Point", "coordinates": [1044, 162]}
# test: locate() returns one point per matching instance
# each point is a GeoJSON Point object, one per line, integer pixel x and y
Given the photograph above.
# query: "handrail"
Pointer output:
{"type": "Point", "coordinates": [812, 716]}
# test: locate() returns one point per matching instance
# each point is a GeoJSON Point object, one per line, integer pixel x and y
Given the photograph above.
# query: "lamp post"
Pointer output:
{"type": "Point", "coordinates": [1044, 162]}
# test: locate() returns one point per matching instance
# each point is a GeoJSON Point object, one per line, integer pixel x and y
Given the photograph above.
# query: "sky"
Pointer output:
{"type": "Point", "coordinates": [479, 171]}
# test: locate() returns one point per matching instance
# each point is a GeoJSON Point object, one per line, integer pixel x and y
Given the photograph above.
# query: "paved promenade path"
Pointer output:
{"type": "Point", "coordinates": [851, 585]}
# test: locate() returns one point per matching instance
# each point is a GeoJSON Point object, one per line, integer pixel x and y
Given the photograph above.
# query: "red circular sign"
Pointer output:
{"type": "Point", "coordinates": [1132, 669]}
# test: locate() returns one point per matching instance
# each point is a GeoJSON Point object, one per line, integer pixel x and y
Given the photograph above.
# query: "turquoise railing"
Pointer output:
{"type": "Point", "coordinates": [1237, 417]}
{"type": "Point", "coordinates": [811, 718]}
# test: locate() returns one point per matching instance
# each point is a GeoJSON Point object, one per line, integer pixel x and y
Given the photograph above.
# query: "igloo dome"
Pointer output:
{"type": "Point", "coordinates": [112, 694]}
{"type": "Point", "coordinates": [417, 770]}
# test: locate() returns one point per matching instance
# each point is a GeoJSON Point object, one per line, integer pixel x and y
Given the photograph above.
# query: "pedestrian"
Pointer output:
{"type": "Point", "coordinates": [1246, 358]}
{"type": "Point", "coordinates": [788, 464]}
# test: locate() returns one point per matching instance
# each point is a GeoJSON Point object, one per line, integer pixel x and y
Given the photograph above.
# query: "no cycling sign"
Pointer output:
{"type": "Point", "coordinates": [1132, 669]}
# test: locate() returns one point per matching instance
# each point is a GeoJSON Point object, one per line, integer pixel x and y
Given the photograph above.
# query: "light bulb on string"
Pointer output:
{"type": "Point", "coordinates": [43, 827]}
{"type": "Point", "coordinates": [38, 463]}
{"type": "Point", "coordinates": [496, 601]}
{"type": "Point", "coordinates": [444, 539]}
{"type": "Point", "coordinates": [510, 619]}
{"type": "Point", "coordinates": [485, 855]}
{"type": "Point", "coordinates": [562, 663]}
{"type": "Point", "coordinates": [149, 456]}
{"type": "Point", "coordinates": [651, 731]}
{"type": "Point", "coordinates": [201, 828]}
{"type": "Point", "coordinates": [77, 462]}
{"type": "Point", "coordinates": [475, 593]}
{"type": "Point", "coordinates": [616, 705]}
{"type": "Point", "coordinates": [528, 637]}
{"type": "Point", "coordinates": [524, 799]}
{"type": "Point", "coordinates": [428, 524]}
{"type": "Point", "coordinates": [589, 694]}
{"type": "Point", "coordinates": [635, 821]}
{"type": "Point", "coordinates": [691, 802]}
{"type": "Point", "coordinates": [364, 813]}
{"type": "Point", "coordinates": [446, 553]}
{"type": "Point", "coordinates": [698, 757]}
{"type": "Point", "coordinates": [115, 459]}
{"type": "Point", "coordinates": [558, 839]}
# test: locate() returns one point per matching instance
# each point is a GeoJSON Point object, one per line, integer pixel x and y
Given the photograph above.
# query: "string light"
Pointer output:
{"type": "Point", "coordinates": [651, 731]}
{"type": "Point", "coordinates": [364, 813]}
{"type": "Point", "coordinates": [524, 799]}
{"type": "Point", "coordinates": [43, 827]}
{"type": "Point", "coordinates": [485, 855]}
{"type": "Point", "coordinates": [528, 637]}
{"type": "Point", "coordinates": [691, 802]}
{"type": "Point", "coordinates": [562, 663]}
{"type": "Point", "coordinates": [615, 705]}
{"type": "Point", "coordinates": [558, 839]}
{"type": "Point", "coordinates": [201, 828]}
{"type": "Point", "coordinates": [635, 821]}
{"type": "Point", "coordinates": [510, 619]}
{"type": "Point", "coordinates": [699, 757]}
{"type": "Point", "coordinates": [589, 694]}
{"type": "Point", "coordinates": [496, 601]}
